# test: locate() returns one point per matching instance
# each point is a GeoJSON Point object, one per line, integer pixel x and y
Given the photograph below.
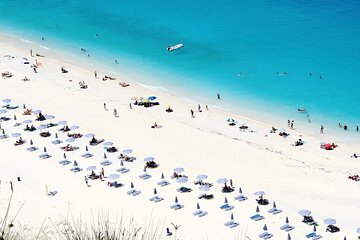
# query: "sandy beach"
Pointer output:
{"type": "Point", "coordinates": [295, 177]}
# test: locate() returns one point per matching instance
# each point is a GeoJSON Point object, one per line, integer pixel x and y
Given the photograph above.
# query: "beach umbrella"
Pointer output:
{"type": "Point", "coordinates": [287, 220]}
{"type": "Point", "coordinates": [182, 180]}
{"type": "Point", "coordinates": [74, 127]}
{"type": "Point", "coordinates": [358, 230]}
{"type": "Point", "coordinates": [91, 168]}
{"type": "Point", "coordinates": [257, 209]}
{"type": "Point", "coordinates": [108, 143]}
{"type": "Point", "coordinates": [226, 200]}
{"type": "Point", "coordinates": [204, 188]}
{"type": "Point", "coordinates": [16, 134]}
{"type": "Point", "coordinates": [121, 163]}
{"type": "Point", "coordinates": [149, 159]}
{"type": "Point", "coordinates": [289, 237]}
{"type": "Point", "coordinates": [6, 100]}
{"type": "Point", "coordinates": [49, 116]}
{"type": "Point", "coordinates": [162, 176]}
{"type": "Point", "coordinates": [42, 127]}
{"type": "Point", "coordinates": [222, 180]}
{"type": "Point", "coordinates": [37, 111]}
{"type": "Point", "coordinates": [305, 212]}
{"type": "Point", "coordinates": [75, 163]}
{"type": "Point", "coordinates": [15, 117]}
{"type": "Point", "coordinates": [105, 157]}
{"type": "Point", "coordinates": [155, 192]}
{"type": "Point", "coordinates": [259, 193]}
{"type": "Point", "coordinates": [265, 228]}
{"type": "Point", "coordinates": [45, 150]}
{"type": "Point", "coordinates": [131, 185]}
{"type": "Point", "coordinates": [179, 170]}
{"type": "Point", "coordinates": [230, 120]}
{"type": "Point", "coordinates": [151, 98]}
{"type": "Point", "coordinates": [197, 206]}
{"type": "Point", "coordinates": [70, 139]}
{"type": "Point", "coordinates": [31, 142]}
{"type": "Point", "coordinates": [127, 151]}
{"type": "Point", "coordinates": [202, 177]}
{"type": "Point", "coordinates": [114, 176]}
{"type": "Point", "coordinates": [27, 121]}
{"type": "Point", "coordinates": [89, 135]}
{"type": "Point", "coordinates": [3, 111]}
{"type": "Point", "coordinates": [62, 122]}
{"type": "Point", "coordinates": [176, 200]}
{"type": "Point", "coordinates": [330, 221]}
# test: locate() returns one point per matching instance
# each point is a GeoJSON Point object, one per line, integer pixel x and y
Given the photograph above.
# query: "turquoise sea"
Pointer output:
{"type": "Point", "coordinates": [257, 38]}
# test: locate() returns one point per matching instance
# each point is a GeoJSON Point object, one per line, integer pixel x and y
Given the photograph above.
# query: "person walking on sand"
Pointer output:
{"type": "Point", "coordinates": [199, 108]}
{"type": "Point", "coordinates": [95, 74]}
{"type": "Point", "coordinates": [292, 124]}
{"type": "Point", "coordinates": [130, 106]}
{"type": "Point", "coordinates": [207, 108]}
{"type": "Point", "coordinates": [103, 172]}
{"type": "Point", "coordinates": [105, 106]}
{"type": "Point", "coordinates": [322, 129]}
{"type": "Point", "coordinates": [115, 113]}
{"type": "Point", "coordinates": [218, 96]}
{"type": "Point", "coordinates": [31, 53]}
{"type": "Point", "coordinates": [231, 183]}
{"type": "Point", "coordinates": [192, 113]}
{"type": "Point", "coordinates": [87, 181]}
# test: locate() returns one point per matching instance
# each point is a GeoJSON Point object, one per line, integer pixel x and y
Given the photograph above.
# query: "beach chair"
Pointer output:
{"type": "Point", "coordinates": [203, 213]}
{"type": "Point", "coordinates": [116, 184]}
{"type": "Point", "coordinates": [163, 183]}
{"type": "Point", "coordinates": [274, 211]}
{"type": "Point", "coordinates": [123, 170]}
{"type": "Point", "coordinates": [45, 156]}
{"type": "Point", "coordinates": [52, 193]}
{"type": "Point", "coordinates": [145, 176]}
{"type": "Point", "coordinates": [316, 237]}
{"type": "Point", "coordinates": [137, 192]}
{"type": "Point", "coordinates": [256, 217]}
{"type": "Point", "coordinates": [156, 199]}
{"type": "Point", "coordinates": [76, 169]}
{"type": "Point", "coordinates": [267, 236]}
{"type": "Point", "coordinates": [87, 155]}
{"type": "Point", "coordinates": [57, 141]}
{"type": "Point", "coordinates": [226, 207]}
{"type": "Point", "coordinates": [176, 206]}
{"type": "Point", "coordinates": [229, 223]}
{"type": "Point", "coordinates": [105, 163]}
{"type": "Point", "coordinates": [32, 149]}
{"type": "Point", "coordinates": [287, 227]}
{"type": "Point", "coordinates": [64, 162]}
{"type": "Point", "coordinates": [4, 136]}
{"type": "Point", "coordinates": [234, 224]}
{"type": "Point", "coordinates": [240, 198]}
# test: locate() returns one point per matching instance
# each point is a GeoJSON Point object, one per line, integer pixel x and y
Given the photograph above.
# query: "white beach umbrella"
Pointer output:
{"type": "Point", "coordinates": [6, 100]}
{"type": "Point", "coordinates": [202, 177]}
{"type": "Point", "coordinates": [16, 134]}
{"type": "Point", "coordinates": [330, 221]}
{"type": "Point", "coordinates": [182, 180]}
{"type": "Point", "coordinates": [204, 188]}
{"type": "Point", "coordinates": [27, 121]}
{"type": "Point", "coordinates": [91, 168]}
{"type": "Point", "coordinates": [2, 111]}
{"type": "Point", "coordinates": [114, 176]}
{"type": "Point", "coordinates": [149, 159]}
{"type": "Point", "coordinates": [305, 212]}
{"type": "Point", "coordinates": [70, 139]}
{"type": "Point", "coordinates": [259, 193]}
{"type": "Point", "coordinates": [108, 143]}
{"type": "Point", "coordinates": [74, 127]}
{"type": "Point", "coordinates": [49, 116]}
{"type": "Point", "coordinates": [222, 180]}
{"type": "Point", "coordinates": [127, 151]}
{"type": "Point", "coordinates": [62, 122]}
{"type": "Point", "coordinates": [89, 135]}
{"type": "Point", "coordinates": [37, 111]}
{"type": "Point", "coordinates": [358, 230]}
{"type": "Point", "coordinates": [179, 170]}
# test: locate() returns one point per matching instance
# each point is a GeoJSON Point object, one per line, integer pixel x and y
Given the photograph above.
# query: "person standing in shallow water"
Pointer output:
{"type": "Point", "coordinates": [218, 96]}
{"type": "Point", "coordinates": [322, 129]}
{"type": "Point", "coordinates": [192, 113]}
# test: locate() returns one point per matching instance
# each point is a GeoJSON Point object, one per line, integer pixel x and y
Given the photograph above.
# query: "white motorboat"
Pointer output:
{"type": "Point", "coordinates": [175, 47]}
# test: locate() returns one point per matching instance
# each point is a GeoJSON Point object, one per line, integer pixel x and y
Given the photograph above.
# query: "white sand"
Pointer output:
{"type": "Point", "coordinates": [305, 177]}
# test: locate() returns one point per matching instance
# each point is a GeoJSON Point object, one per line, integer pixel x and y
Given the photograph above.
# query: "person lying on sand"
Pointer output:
{"type": "Point", "coordinates": [155, 125]}
{"type": "Point", "coordinates": [27, 112]}
{"type": "Point", "coordinates": [63, 70]}
{"type": "Point", "coordinates": [19, 142]}
{"type": "Point", "coordinates": [176, 175]}
{"type": "Point", "coordinates": [94, 141]}
{"type": "Point", "coordinates": [40, 117]}
{"type": "Point", "coordinates": [355, 156]}
{"type": "Point", "coordinates": [299, 142]}
{"type": "Point", "coordinates": [151, 164]}
{"type": "Point", "coordinates": [45, 134]}
{"type": "Point", "coordinates": [75, 135]}
{"type": "Point", "coordinates": [39, 55]}
{"type": "Point", "coordinates": [65, 129]}
{"type": "Point", "coordinates": [124, 84]}
{"type": "Point", "coordinates": [67, 148]}
{"type": "Point", "coordinates": [6, 75]}
{"type": "Point", "coordinates": [169, 109]}
{"type": "Point", "coordinates": [273, 129]}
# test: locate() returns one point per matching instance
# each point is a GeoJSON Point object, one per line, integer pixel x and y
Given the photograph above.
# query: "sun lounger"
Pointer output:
{"type": "Point", "coordinates": [136, 193]}
{"type": "Point", "coordinates": [105, 163]}
{"type": "Point", "coordinates": [262, 235]}
{"type": "Point", "coordinates": [52, 193]}
{"type": "Point", "coordinates": [206, 196]}
{"type": "Point", "coordinates": [64, 162]}
{"type": "Point", "coordinates": [57, 141]}
{"type": "Point", "coordinates": [87, 155]}
{"type": "Point", "coordinates": [240, 198]}
{"type": "Point", "coordinates": [203, 213]}
{"type": "Point", "coordinates": [4, 136]}
{"type": "Point", "coordinates": [123, 170]}
{"type": "Point", "coordinates": [286, 228]}
{"type": "Point", "coordinates": [44, 156]}
{"type": "Point", "coordinates": [145, 176]}
{"type": "Point", "coordinates": [267, 236]}
{"type": "Point", "coordinates": [176, 206]}
{"type": "Point", "coordinates": [133, 192]}
{"type": "Point", "coordinates": [229, 223]}
{"type": "Point", "coordinates": [257, 217]}
{"type": "Point", "coordinates": [197, 212]}
{"type": "Point", "coordinates": [184, 190]}
{"type": "Point", "coordinates": [32, 148]}
{"type": "Point", "coordinates": [76, 169]}
{"type": "Point", "coordinates": [226, 207]}
{"type": "Point", "coordinates": [274, 211]}
{"type": "Point", "coordinates": [163, 183]}
{"type": "Point", "coordinates": [234, 224]}
{"type": "Point", "coordinates": [316, 237]}
{"type": "Point", "coordinates": [156, 199]}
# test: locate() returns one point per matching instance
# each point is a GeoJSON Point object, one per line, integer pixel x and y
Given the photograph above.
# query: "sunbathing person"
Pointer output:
{"type": "Point", "coordinates": [19, 142]}
{"type": "Point", "coordinates": [93, 176]}
{"type": "Point", "coordinates": [308, 220]}
{"type": "Point", "coordinates": [68, 148]}
{"type": "Point", "coordinates": [262, 201]}
{"type": "Point", "coordinates": [39, 55]}
{"type": "Point", "coordinates": [124, 84]}
{"type": "Point", "coordinates": [45, 134]}
{"type": "Point", "coordinates": [176, 175]}
{"type": "Point", "coordinates": [206, 196]}
{"type": "Point", "coordinates": [169, 110]}
{"type": "Point", "coordinates": [75, 135]}
{"type": "Point", "coordinates": [273, 129]}
{"type": "Point", "coordinates": [65, 129]}
{"type": "Point", "coordinates": [151, 164]}
{"type": "Point", "coordinates": [94, 141]}
{"type": "Point", "coordinates": [284, 134]}
{"type": "Point", "coordinates": [354, 156]}
{"type": "Point", "coordinates": [41, 117]}
{"type": "Point", "coordinates": [111, 149]}
{"type": "Point", "coordinates": [27, 112]}
{"type": "Point", "coordinates": [299, 142]}
{"type": "Point", "coordinates": [227, 188]}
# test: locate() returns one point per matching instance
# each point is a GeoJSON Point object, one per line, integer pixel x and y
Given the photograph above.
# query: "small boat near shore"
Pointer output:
{"type": "Point", "coordinates": [175, 47]}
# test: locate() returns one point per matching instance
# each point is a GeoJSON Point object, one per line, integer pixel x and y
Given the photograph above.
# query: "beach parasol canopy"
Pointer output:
{"type": "Point", "coordinates": [70, 139]}
{"type": "Point", "coordinates": [149, 159]}
{"type": "Point", "coordinates": [230, 120]}
{"type": "Point", "coordinates": [42, 127]}
{"type": "Point", "coordinates": [62, 122]}
{"type": "Point", "coordinates": [2, 111]}
{"type": "Point", "coordinates": [259, 193]}
{"type": "Point", "coordinates": [358, 230]}
{"type": "Point", "coordinates": [6, 100]}
{"type": "Point", "coordinates": [49, 116]}
{"type": "Point", "coordinates": [114, 176]}
{"type": "Point", "coordinates": [91, 168]}
{"type": "Point", "coordinates": [202, 177]}
{"type": "Point", "coordinates": [127, 151]}
{"type": "Point", "coordinates": [305, 212]}
{"type": "Point", "coordinates": [27, 121]}
{"type": "Point", "coordinates": [222, 180]}
{"type": "Point", "coordinates": [182, 180]}
{"type": "Point", "coordinates": [74, 127]}
{"type": "Point", "coordinates": [16, 134]}
{"type": "Point", "coordinates": [108, 143]}
{"type": "Point", "coordinates": [204, 188]}
{"type": "Point", "coordinates": [37, 111]}
{"type": "Point", "coordinates": [134, 98]}
{"type": "Point", "coordinates": [151, 98]}
{"type": "Point", "coordinates": [330, 221]}
{"type": "Point", "coordinates": [89, 135]}
{"type": "Point", "coordinates": [179, 170]}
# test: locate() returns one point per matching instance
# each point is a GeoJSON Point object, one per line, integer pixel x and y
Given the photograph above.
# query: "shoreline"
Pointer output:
{"type": "Point", "coordinates": [295, 177]}
{"type": "Point", "coordinates": [250, 107]}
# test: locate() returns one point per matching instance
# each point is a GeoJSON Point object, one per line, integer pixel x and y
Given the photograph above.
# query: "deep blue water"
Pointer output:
{"type": "Point", "coordinates": [221, 38]}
